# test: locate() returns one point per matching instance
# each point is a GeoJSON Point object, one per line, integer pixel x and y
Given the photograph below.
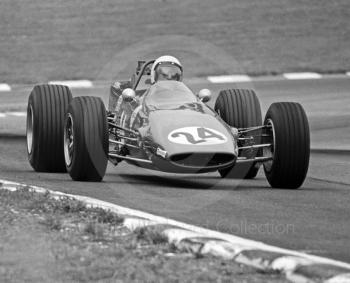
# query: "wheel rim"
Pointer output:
{"type": "Point", "coordinates": [68, 140]}
{"type": "Point", "coordinates": [30, 122]}
{"type": "Point", "coordinates": [269, 151]}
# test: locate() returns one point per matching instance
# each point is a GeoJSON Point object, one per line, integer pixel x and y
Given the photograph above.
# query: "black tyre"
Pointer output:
{"type": "Point", "coordinates": [290, 136]}
{"type": "Point", "coordinates": [47, 105]}
{"type": "Point", "coordinates": [240, 108]}
{"type": "Point", "coordinates": [86, 139]}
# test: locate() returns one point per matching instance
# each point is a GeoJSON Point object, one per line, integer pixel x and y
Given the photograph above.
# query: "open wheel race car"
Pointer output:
{"type": "Point", "coordinates": [165, 126]}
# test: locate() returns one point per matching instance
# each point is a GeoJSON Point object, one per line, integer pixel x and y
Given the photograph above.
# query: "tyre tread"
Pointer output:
{"type": "Point", "coordinates": [292, 151]}
{"type": "Point", "coordinates": [91, 139]}
{"type": "Point", "coordinates": [239, 108]}
{"type": "Point", "coordinates": [49, 103]}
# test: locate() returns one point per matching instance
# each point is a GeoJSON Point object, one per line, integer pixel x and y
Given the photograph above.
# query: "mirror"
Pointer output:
{"type": "Point", "coordinates": [204, 95]}
{"type": "Point", "coordinates": [128, 94]}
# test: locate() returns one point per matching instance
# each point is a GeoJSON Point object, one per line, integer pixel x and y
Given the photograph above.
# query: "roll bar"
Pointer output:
{"type": "Point", "coordinates": [137, 81]}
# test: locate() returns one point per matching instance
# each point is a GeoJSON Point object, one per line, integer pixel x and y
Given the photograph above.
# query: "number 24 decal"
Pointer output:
{"type": "Point", "coordinates": [197, 136]}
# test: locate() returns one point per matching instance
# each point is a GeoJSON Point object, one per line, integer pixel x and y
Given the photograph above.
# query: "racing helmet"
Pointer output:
{"type": "Point", "coordinates": [166, 68]}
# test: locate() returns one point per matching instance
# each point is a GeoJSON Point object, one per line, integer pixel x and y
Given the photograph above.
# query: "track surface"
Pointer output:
{"type": "Point", "coordinates": [313, 219]}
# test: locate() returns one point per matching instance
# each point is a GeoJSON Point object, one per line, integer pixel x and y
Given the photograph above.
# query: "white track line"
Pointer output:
{"type": "Point", "coordinates": [9, 185]}
{"type": "Point", "coordinates": [229, 79]}
{"type": "Point", "coordinates": [5, 87]}
{"type": "Point", "coordinates": [18, 114]}
{"type": "Point", "coordinates": [302, 76]}
{"type": "Point", "coordinates": [239, 78]}
{"type": "Point", "coordinates": [74, 84]}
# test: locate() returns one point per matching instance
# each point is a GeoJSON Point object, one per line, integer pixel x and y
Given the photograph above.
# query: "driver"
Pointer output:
{"type": "Point", "coordinates": [166, 68]}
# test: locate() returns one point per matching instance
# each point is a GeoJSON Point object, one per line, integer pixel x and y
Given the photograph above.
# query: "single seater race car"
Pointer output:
{"type": "Point", "coordinates": [164, 126]}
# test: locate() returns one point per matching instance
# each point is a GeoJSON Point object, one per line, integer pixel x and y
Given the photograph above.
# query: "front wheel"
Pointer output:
{"type": "Point", "coordinates": [86, 139]}
{"type": "Point", "coordinates": [288, 129]}
{"type": "Point", "coordinates": [240, 108]}
{"type": "Point", "coordinates": [47, 105]}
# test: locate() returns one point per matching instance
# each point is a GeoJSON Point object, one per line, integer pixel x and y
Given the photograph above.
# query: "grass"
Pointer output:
{"type": "Point", "coordinates": [45, 203]}
{"type": "Point", "coordinates": [102, 39]}
{"type": "Point", "coordinates": [150, 235]}
{"type": "Point", "coordinates": [48, 240]}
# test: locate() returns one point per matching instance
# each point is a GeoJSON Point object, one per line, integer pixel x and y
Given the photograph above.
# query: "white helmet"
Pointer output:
{"type": "Point", "coordinates": [166, 68]}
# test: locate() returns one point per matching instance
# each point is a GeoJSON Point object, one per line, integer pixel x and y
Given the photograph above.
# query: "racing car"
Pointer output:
{"type": "Point", "coordinates": [156, 121]}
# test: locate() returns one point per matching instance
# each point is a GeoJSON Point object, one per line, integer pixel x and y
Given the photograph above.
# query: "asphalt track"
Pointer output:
{"type": "Point", "coordinates": [314, 218]}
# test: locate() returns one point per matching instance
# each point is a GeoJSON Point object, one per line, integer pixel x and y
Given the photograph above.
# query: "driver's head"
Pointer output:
{"type": "Point", "coordinates": [166, 68]}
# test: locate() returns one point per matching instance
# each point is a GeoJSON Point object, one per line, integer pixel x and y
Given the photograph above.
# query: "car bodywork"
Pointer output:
{"type": "Point", "coordinates": [166, 127]}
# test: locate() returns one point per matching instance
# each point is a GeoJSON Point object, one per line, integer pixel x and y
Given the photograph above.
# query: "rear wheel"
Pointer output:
{"type": "Point", "coordinates": [47, 105]}
{"type": "Point", "coordinates": [86, 139]}
{"type": "Point", "coordinates": [290, 139]}
{"type": "Point", "coordinates": [240, 108]}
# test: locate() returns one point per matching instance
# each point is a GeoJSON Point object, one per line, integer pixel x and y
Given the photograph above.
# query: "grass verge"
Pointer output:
{"type": "Point", "coordinates": [48, 240]}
